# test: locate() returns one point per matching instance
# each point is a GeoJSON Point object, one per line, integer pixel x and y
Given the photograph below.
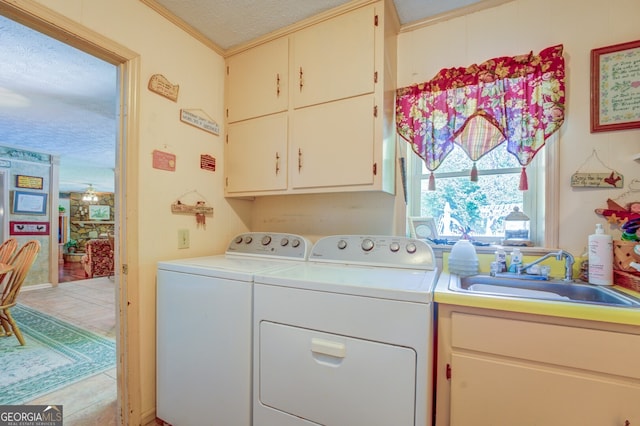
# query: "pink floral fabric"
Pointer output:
{"type": "Point", "coordinates": [517, 99]}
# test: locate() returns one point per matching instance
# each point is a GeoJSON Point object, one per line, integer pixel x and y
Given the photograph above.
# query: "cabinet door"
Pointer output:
{"type": "Point", "coordinates": [332, 144]}
{"type": "Point", "coordinates": [334, 59]}
{"type": "Point", "coordinates": [257, 81]}
{"type": "Point", "coordinates": [486, 391]}
{"type": "Point", "coordinates": [255, 154]}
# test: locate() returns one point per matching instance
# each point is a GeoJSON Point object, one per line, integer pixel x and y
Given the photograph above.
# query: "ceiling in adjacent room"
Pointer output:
{"type": "Point", "coordinates": [58, 100]}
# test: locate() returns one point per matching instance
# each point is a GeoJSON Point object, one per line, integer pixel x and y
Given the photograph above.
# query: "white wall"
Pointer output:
{"type": "Point", "coordinates": [521, 26]}
{"type": "Point", "coordinates": [318, 215]}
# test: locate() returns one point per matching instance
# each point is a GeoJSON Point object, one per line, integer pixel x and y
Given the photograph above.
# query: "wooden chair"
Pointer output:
{"type": "Point", "coordinates": [7, 249]}
{"type": "Point", "coordinates": [21, 263]}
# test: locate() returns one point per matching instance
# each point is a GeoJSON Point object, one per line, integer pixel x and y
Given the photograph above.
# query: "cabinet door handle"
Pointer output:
{"type": "Point", "coordinates": [277, 163]}
{"type": "Point", "coordinates": [278, 85]}
{"type": "Point", "coordinates": [301, 80]}
{"type": "Point", "coordinates": [299, 160]}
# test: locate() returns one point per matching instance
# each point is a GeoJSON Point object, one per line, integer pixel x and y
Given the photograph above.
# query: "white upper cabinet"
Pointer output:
{"type": "Point", "coordinates": [257, 81]}
{"type": "Point", "coordinates": [327, 123]}
{"type": "Point", "coordinates": [334, 59]}
{"type": "Point", "coordinates": [256, 155]}
{"type": "Point", "coordinates": [332, 144]}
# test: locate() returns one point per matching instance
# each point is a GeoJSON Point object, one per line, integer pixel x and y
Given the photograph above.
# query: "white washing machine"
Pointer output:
{"type": "Point", "coordinates": [346, 338]}
{"type": "Point", "coordinates": [204, 329]}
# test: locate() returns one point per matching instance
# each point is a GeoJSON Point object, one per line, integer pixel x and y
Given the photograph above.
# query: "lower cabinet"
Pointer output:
{"type": "Point", "coordinates": [527, 370]}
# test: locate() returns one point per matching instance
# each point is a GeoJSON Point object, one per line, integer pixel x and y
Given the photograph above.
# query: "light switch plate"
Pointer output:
{"type": "Point", "coordinates": [183, 238]}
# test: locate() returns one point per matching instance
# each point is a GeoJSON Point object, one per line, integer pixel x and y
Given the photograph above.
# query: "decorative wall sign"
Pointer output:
{"type": "Point", "coordinates": [164, 161]}
{"type": "Point", "coordinates": [32, 182]}
{"type": "Point", "coordinates": [615, 87]}
{"type": "Point", "coordinates": [28, 228]}
{"type": "Point", "coordinates": [200, 209]}
{"type": "Point", "coordinates": [29, 203]}
{"type": "Point", "coordinates": [97, 212]}
{"type": "Point", "coordinates": [208, 162]}
{"type": "Point", "coordinates": [160, 85]}
{"type": "Point", "coordinates": [205, 123]}
{"type": "Point", "coordinates": [597, 180]}
{"type": "Point", "coordinates": [610, 179]}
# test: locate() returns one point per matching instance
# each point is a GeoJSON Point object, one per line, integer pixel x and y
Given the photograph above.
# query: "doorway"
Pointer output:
{"type": "Point", "coordinates": [126, 64]}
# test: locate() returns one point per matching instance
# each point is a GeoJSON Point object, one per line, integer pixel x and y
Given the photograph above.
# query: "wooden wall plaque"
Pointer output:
{"type": "Point", "coordinates": [31, 182]}
{"type": "Point", "coordinates": [163, 87]}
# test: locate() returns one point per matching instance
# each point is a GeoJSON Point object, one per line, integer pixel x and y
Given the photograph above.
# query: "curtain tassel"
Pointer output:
{"type": "Point", "coordinates": [432, 182]}
{"type": "Point", "coordinates": [474, 173]}
{"type": "Point", "coordinates": [524, 183]}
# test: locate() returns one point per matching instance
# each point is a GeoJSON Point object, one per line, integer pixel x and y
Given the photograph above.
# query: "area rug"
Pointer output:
{"type": "Point", "coordinates": [56, 354]}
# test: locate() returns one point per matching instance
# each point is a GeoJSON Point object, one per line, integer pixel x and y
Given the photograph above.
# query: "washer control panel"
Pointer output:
{"type": "Point", "coordinates": [270, 244]}
{"type": "Point", "coordinates": [395, 252]}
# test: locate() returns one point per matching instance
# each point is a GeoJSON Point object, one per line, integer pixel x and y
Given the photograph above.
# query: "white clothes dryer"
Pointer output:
{"type": "Point", "coordinates": [204, 329]}
{"type": "Point", "coordinates": [346, 338]}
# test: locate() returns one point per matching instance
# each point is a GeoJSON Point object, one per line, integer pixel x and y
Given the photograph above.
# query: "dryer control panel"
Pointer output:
{"type": "Point", "coordinates": [273, 244]}
{"type": "Point", "coordinates": [389, 251]}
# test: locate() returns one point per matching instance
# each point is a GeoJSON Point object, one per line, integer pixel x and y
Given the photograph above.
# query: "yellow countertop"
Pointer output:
{"type": "Point", "coordinates": [592, 312]}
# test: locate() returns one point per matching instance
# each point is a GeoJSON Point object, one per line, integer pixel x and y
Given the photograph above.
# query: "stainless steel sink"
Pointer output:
{"type": "Point", "coordinates": [546, 290]}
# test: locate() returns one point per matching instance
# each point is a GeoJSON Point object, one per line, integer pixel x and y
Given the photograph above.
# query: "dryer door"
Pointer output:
{"type": "Point", "coordinates": [335, 380]}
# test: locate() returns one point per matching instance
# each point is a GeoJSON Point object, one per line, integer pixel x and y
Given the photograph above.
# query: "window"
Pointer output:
{"type": "Point", "coordinates": [481, 206]}
{"type": "Point", "coordinates": [479, 116]}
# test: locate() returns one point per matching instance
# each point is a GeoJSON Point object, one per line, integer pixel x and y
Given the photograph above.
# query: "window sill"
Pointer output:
{"type": "Point", "coordinates": [491, 249]}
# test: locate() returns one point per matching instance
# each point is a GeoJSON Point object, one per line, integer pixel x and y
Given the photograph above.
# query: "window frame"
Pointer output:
{"type": "Point", "coordinates": [540, 201]}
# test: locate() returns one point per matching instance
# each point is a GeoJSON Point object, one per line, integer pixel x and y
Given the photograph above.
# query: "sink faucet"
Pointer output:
{"type": "Point", "coordinates": [568, 263]}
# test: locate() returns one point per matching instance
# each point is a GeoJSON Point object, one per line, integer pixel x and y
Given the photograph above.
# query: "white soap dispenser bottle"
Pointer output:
{"type": "Point", "coordinates": [600, 257]}
{"type": "Point", "coordinates": [516, 260]}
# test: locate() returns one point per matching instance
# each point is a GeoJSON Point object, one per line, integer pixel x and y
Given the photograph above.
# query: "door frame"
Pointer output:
{"type": "Point", "coordinates": [46, 21]}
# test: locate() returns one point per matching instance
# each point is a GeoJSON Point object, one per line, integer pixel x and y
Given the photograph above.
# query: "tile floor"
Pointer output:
{"type": "Point", "coordinates": [89, 304]}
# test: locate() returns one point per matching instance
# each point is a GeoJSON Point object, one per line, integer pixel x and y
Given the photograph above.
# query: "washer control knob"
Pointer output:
{"type": "Point", "coordinates": [394, 247]}
{"type": "Point", "coordinates": [367, 244]}
{"type": "Point", "coordinates": [266, 240]}
{"type": "Point", "coordinates": [295, 243]}
{"type": "Point", "coordinates": [342, 244]}
{"type": "Point", "coordinates": [284, 242]}
{"type": "Point", "coordinates": [238, 239]}
{"type": "Point", "coordinates": [248, 240]}
{"type": "Point", "coordinates": [411, 248]}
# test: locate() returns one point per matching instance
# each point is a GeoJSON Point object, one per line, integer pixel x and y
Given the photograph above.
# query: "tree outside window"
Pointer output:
{"type": "Point", "coordinates": [458, 203]}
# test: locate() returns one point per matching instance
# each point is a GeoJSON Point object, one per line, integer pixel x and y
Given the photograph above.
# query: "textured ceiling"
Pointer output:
{"type": "Point", "coordinates": [59, 100]}
{"type": "Point", "coordinates": [229, 23]}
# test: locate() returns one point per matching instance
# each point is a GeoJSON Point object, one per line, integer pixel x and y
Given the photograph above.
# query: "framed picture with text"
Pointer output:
{"type": "Point", "coordinates": [615, 87]}
{"type": "Point", "coordinates": [29, 203]}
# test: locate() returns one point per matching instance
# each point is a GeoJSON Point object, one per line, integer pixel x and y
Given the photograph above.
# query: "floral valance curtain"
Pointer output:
{"type": "Point", "coordinates": [518, 100]}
